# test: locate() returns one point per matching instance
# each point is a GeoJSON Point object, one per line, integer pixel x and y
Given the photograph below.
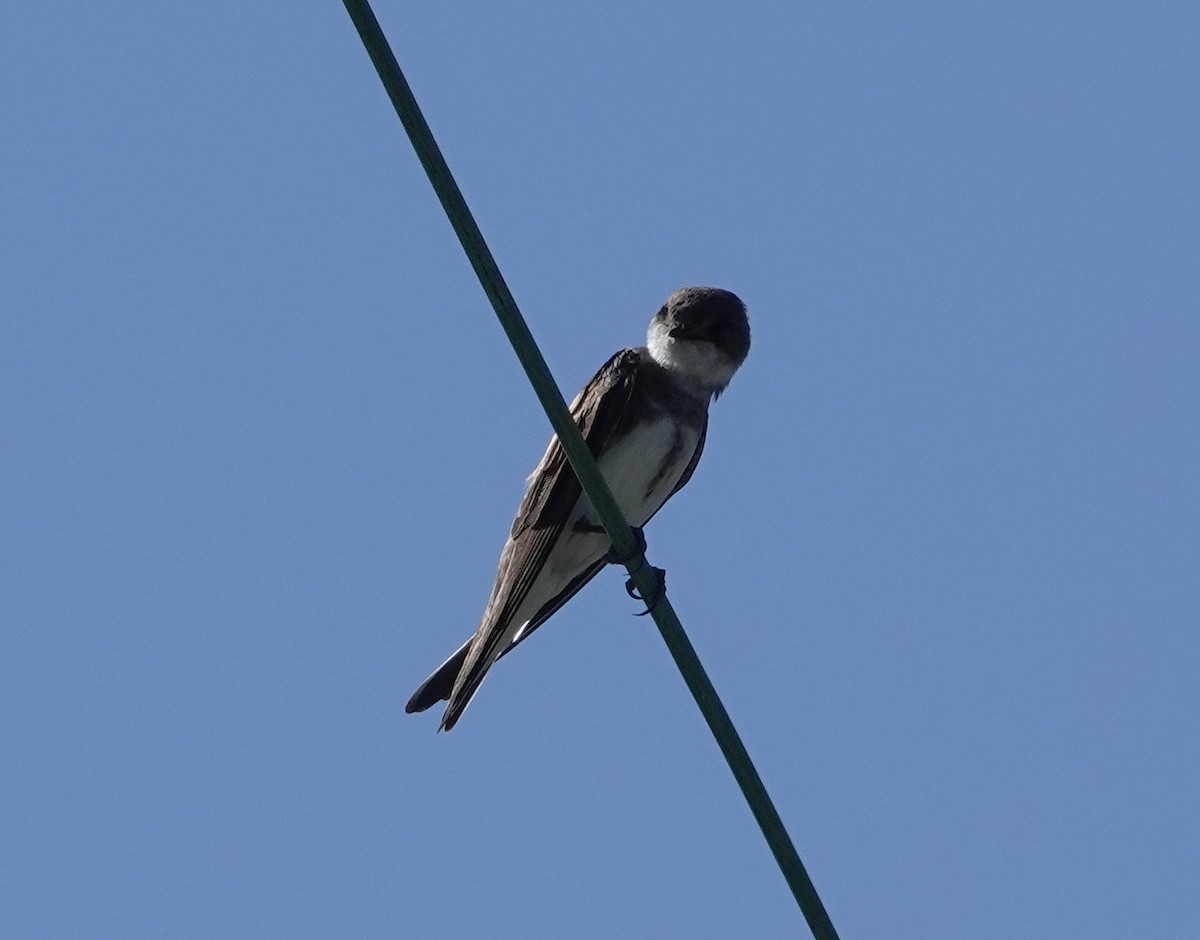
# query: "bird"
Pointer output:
{"type": "Point", "coordinates": [644, 417]}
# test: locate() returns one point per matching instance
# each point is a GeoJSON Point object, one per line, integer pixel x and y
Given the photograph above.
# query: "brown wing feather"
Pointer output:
{"type": "Point", "coordinates": [597, 411]}
{"type": "Point", "coordinates": [554, 488]}
{"type": "Point", "coordinates": [575, 586]}
{"type": "Point", "coordinates": [552, 493]}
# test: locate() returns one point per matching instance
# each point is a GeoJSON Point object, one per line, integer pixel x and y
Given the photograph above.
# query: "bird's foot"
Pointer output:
{"type": "Point", "coordinates": [660, 591]}
{"type": "Point", "coordinates": [639, 551]}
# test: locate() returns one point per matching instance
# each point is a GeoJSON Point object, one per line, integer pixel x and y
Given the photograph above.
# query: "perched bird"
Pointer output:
{"type": "Point", "coordinates": [644, 416]}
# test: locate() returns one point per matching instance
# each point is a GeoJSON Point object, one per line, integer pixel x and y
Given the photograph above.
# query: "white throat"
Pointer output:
{"type": "Point", "coordinates": [698, 362]}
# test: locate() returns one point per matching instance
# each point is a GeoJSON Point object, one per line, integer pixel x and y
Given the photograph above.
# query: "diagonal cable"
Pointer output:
{"type": "Point", "coordinates": [586, 470]}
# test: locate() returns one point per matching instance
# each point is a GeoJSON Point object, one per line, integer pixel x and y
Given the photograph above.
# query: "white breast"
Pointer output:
{"type": "Point", "coordinates": [634, 470]}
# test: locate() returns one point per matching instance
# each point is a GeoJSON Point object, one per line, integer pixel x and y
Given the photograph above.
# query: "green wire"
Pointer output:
{"type": "Point", "coordinates": [586, 470]}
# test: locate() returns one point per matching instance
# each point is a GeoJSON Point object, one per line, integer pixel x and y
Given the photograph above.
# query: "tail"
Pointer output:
{"type": "Point", "coordinates": [464, 690]}
{"type": "Point", "coordinates": [438, 686]}
{"type": "Point", "coordinates": [442, 686]}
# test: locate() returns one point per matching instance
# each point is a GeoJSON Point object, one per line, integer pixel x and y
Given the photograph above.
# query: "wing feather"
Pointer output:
{"type": "Point", "coordinates": [552, 493]}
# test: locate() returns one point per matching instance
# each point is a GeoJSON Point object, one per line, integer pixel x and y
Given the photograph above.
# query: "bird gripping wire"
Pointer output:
{"type": "Point", "coordinates": [624, 544]}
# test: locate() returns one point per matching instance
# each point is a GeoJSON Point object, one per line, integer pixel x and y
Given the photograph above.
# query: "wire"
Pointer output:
{"type": "Point", "coordinates": [594, 486]}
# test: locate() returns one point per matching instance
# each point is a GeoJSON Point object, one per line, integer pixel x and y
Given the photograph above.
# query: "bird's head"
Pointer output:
{"type": "Point", "coordinates": [701, 334]}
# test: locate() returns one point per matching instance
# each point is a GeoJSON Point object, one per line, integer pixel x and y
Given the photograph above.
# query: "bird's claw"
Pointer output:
{"type": "Point", "coordinates": [660, 591]}
{"type": "Point", "coordinates": [639, 551]}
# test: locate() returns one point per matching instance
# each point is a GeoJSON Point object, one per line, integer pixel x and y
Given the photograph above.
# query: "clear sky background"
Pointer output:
{"type": "Point", "coordinates": [261, 439]}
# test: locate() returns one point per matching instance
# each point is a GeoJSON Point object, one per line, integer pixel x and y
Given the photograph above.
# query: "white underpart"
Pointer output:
{"type": "Point", "coordinates": [629, 468]}
{"type": "Point", "coordinates": [630, 465]}
{"type": "Point", "coordinates": [697, 361]}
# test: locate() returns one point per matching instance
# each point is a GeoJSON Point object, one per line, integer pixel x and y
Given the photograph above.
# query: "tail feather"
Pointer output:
{"type": "Point", "coordinates": [458, 703]}
{"type": "Point", "coordinates": [438, 686]}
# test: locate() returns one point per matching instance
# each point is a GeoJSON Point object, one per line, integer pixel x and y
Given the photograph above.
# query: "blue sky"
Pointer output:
{"type": "Point", "coordinates": [262, 439]}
